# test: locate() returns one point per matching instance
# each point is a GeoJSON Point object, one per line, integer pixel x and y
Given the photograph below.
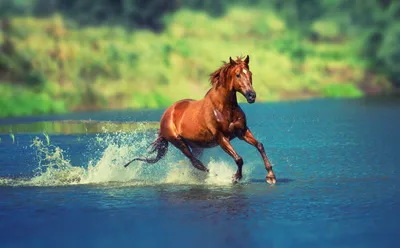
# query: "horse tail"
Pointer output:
{"type": "Point", "coordinates": [160, 145]}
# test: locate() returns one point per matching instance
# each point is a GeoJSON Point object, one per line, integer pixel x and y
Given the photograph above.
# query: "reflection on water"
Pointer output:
{"type": "Point", "coordinates": [216, 209]}
{"type": "Point", "coordinates": [231, 202]}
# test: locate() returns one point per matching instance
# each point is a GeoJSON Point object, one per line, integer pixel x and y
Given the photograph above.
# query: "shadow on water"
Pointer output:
{"type": "Point", "coordinates": [217, 202]}
{"type": "Point", "coordinates": [213, 212]}
{"type": "Point", "coordinates": [278, 180]}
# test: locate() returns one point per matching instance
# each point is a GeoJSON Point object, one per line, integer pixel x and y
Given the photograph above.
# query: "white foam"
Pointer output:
{"type": "Point", "coordinates": [55, 169]}
{"type": "Point", "coordinates": [184, 173]}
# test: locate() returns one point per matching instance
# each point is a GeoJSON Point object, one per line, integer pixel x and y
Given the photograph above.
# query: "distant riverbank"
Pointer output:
{"type": "Point", "coordinates": [50, 66]}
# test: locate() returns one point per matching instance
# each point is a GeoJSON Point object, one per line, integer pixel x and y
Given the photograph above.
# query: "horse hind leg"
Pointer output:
{"type": "Point", "coordinates": [178, 143]}
{"type": "Point", "coordinates": [197, 152]}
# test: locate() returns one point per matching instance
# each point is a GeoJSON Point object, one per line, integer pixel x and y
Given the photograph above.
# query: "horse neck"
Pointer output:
{"type": "Point", "coordinates": [223, 98]}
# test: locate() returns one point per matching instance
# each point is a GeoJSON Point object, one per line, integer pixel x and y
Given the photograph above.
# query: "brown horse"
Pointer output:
{"type": "Point", "coordinates": [192, 125]}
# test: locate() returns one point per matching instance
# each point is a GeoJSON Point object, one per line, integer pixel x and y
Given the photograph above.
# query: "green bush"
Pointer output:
{"type": "Point", "coordinates": [111, 67]}
{"type": "Point", "coordinates": [19, 101]}
{"type": "Point", "coordinates": [341, 90]}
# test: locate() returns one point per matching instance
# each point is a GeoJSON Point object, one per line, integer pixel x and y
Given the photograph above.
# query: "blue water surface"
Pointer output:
{"type": "Point", "coordinates": [336, 163]}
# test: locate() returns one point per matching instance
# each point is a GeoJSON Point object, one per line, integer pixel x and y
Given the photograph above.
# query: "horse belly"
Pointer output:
{"type": "Point", "coordinates": [200, 144]}
{"type": "Point", "coordinates": [197, 135]}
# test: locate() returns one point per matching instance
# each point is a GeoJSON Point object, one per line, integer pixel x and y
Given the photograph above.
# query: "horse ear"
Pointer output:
{"type": "Point", "coordinates": [247, 59]}
{"type": "Point", "coordinates": [232, 61]}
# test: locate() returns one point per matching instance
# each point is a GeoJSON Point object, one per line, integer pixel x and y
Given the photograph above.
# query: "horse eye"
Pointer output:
{"type": "Point", "coordinates": [238, 75]}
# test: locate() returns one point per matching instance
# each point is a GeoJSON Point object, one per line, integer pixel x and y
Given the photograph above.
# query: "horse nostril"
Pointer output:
{"type": "Point", "coordinates": [251, 96]}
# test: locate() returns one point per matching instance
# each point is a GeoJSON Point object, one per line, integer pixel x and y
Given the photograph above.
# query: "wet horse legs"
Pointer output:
{"type": "Point", "coordinates": [249, 138]}
{"type": "Point", "coordinates": [227, 147]}
{"type": "Point", "coordinates": [178, 143]}
{"type": "Point", "coordinates": [197, 152]}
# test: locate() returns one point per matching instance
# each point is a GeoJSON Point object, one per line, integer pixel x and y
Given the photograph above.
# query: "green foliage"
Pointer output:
{"type": "Point", "coordinates": [341, 90]}
{"type": "Point", "coordinates": [20, 101]}
{"type": "Point", "coordinates": [326, 29]}
{"type": "Point", "coordinates": [389, 51]}
{"type": "Point", "coordinates": [297, 48]}
{"type": "Point", "coordinates": [378, 25]}
{"type": "Point", "coordinates": [149, 100]}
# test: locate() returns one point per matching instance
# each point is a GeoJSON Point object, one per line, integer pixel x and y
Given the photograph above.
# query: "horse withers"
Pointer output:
{"type": "Point", "coordinates": [193, 125]}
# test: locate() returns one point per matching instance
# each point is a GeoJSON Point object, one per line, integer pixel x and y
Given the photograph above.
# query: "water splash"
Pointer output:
{"type": "Point", "coordinates": [106, 166]}
{"type": "Point", "coordinates": [184, 173]}
{"type": "Point", "coordinates": [53, 168]}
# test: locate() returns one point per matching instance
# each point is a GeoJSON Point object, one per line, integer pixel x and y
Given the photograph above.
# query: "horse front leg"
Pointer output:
{"type": "Point", "coordinates": [227, 147]}
{"type": "Point", "coordinates": [249, 138]}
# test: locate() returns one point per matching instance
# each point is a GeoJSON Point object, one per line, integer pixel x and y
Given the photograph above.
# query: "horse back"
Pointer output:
{"type": "Point", "coordinates": [172, 116]}
{"type": "Point", "coordinates": [186, 119]}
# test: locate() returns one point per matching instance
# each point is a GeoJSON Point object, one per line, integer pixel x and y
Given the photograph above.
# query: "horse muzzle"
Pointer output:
{"type": "Point", "coordinates": [250, 96]}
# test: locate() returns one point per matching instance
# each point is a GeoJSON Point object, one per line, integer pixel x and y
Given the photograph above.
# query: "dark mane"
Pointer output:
{"type": "Point", "coordinates": [219, 76]}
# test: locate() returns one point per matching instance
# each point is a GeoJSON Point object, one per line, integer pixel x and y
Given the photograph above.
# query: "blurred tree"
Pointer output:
{"type": "Point", "coordinates": [16, 7]}
{"type": "Point", "coordinates": [375, 21]}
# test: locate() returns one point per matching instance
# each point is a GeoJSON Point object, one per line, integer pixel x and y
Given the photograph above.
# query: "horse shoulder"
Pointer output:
{"type": "Point", "coordinates": [239, 114]}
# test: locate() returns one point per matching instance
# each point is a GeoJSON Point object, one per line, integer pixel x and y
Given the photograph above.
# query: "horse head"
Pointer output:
{"type": "Point", "coordinates": [240, 78]}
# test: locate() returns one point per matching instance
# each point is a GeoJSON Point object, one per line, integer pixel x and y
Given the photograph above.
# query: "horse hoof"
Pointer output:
{"type": "Point", "coordinates": [236, 179]}
{"type": "Point", "coordinates": [271, 180]}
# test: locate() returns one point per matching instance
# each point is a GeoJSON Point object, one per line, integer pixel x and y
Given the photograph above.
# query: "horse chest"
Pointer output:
{"type": "Point", "coordinates": [229, 122]}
